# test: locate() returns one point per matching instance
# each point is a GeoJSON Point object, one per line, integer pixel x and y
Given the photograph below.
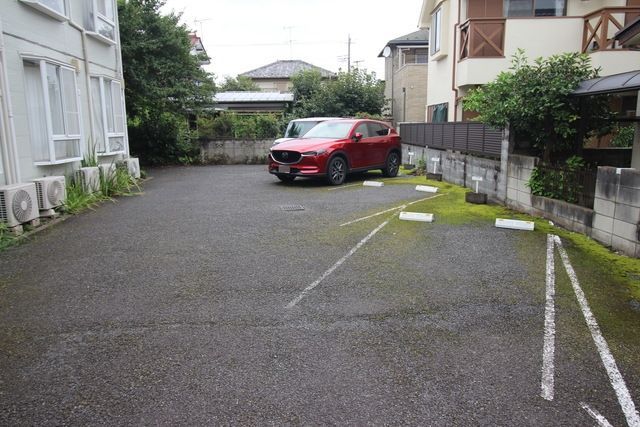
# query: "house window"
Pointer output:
{"type": "Point", "coordinates": [101, 20]}
{"type": "Point", "coordinates": [436, 31]}
{"type": "Point", "coordinates": [108, 116]}
{"type": "Point", "coordinates": [438, 113]}
{"type": "Point", "coordinates": [413, 56]}
{"type": "Point", "coordinates": [523, 8]}
{"type": "Point", "coordinates": [52, 107]}
{"type": "Point", "coordinates": [54, 8]}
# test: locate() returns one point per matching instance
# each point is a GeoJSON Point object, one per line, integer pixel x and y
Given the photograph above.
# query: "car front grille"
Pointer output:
{"type": "Point", "coordinates": [286, 157]}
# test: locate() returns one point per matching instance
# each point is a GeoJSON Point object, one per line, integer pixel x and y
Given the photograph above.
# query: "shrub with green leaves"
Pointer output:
{"type": "Point", "coordinates": [535, 100]}
{"type": "Point", "coordinates": [624, 136]}
{"type": "Point", "coordinates": [560, 182]}
{"type": "Point", "coordinates": [240, 126]}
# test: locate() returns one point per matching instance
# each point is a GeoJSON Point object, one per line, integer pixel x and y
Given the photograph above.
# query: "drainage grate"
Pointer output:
{"type": "Point", "coordinates": [292, 207]}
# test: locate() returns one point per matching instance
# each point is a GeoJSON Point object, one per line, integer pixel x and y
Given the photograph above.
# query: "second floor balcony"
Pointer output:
{"type": "Point", "coordinates": [486, 45]}
{"type": "Point", "coordinates": [489, 37]}
{"type": "Point", "coordinates": [482, 38]}
{"type": "Point", "coordinates": [601, 25]}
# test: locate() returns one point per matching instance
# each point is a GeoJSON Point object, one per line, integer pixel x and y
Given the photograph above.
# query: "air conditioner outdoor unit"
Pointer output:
{"type": "Point", "coordinates": [107, 171]}
{"type": "Point", "coordinates": [51, 191]}
{"type": "Point", "coordinates": [132, 165]}
{"type": "Point", "coordinates": [89, 178]}
{"type": "Point", "coordinates": [18, 203]}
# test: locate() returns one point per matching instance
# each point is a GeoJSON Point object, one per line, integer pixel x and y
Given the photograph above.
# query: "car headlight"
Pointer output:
{"type": "Point", "coordinates": [315, 153]}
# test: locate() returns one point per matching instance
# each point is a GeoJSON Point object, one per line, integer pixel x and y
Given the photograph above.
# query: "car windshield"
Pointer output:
{"type": "Point", "coordinates": [298, 129]}
{"type": "Point", "coordinates": [336, 130]}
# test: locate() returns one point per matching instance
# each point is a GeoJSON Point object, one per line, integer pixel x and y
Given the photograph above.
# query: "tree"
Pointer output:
{"type": "Point", "coordinates": [535, 100]}
{"type": "Point", "coordinates": [239, 84]}
{"type": "Point", "coordinates": [348, 95]}
{"type": "Point", "coordinates": [163, 82]}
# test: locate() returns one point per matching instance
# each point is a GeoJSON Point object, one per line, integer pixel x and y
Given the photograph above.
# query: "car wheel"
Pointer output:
{"type": "Point", "coordinates": [286, 178]}
{"type": "Point", "coordinates": [336, 170]}
{"type": "Point", "coordinates": [392, 165]}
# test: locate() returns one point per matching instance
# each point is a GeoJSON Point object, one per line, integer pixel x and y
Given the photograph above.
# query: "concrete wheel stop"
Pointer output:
{"type": "Point", "coordinates": [476, 198]}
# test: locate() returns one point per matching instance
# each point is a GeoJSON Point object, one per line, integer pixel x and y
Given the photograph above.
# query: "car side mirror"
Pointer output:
{"type": "Point", "coordinates": [357, 137]}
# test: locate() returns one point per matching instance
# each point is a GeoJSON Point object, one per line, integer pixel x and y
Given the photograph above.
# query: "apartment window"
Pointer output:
{"type": "Point", "coordinates": [108, 115]}
{"type": "Point", "coordinates": [101, 20]}
{"type": "Point", "coordinates": [523, 8]}
{"type": "Point", "coordinates": [413, 56]}
{"type": "Point", "coordinates": [52, 107]}
{"type": "Point", "coordinates": [54, 8]}
{"type": "Point", "coordinates": [436, 31]}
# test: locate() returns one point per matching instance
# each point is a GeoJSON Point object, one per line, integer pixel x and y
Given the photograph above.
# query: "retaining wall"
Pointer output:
{"type": "Point", "coordinates": [459, 168]}
{"type": "Point", "coordinates": [617, 209]}
{"type": "Point", "coordinates": [235, 151]}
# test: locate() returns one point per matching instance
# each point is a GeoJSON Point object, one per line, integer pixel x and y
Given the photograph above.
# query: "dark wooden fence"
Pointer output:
{"type": "Point", "coordinates": [466, 137]}
{"type": "Point", "coordinates": [577, 186]}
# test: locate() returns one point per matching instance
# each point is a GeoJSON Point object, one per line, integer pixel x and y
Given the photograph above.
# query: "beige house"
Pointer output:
{"type": "Point", "coordinates": [406, 76]}
{"type": "Point", "coordinates": [276, 77]}
{"type": "Point", "coordinates": [471, 41]}
{"type": "Point", "coordinates": [62, 87]}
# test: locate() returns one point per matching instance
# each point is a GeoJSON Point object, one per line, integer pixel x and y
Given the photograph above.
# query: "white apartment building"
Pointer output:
{"type": "Point", "coordinates": [61, 87]}
{"type": "Point", "coordinates": [471, 41]}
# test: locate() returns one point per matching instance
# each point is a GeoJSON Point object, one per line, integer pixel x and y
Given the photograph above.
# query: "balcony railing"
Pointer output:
{"type": "Point", "coordinates": [601, 25]}
{"type": "Point", "coordinates": [482, 38]}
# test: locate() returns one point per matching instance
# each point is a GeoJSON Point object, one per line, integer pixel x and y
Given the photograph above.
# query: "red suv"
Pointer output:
{"type": "Point", "coordinates": [336, 147]}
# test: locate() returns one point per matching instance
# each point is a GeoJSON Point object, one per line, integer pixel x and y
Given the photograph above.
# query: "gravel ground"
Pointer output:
{"type": "Point", "coordinates": [170, 308]}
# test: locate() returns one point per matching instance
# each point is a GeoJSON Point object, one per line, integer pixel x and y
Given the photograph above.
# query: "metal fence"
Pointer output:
{"type": "Point", "coordinates": [466, 137]}
{"type": "Point", "coordinates": [573, 186]}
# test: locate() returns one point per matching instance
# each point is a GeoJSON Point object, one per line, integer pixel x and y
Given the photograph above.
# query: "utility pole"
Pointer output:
{"type": "Point", "coordinates": [349, 54]}
{"type": "Point", "coordinates": [290, 42]}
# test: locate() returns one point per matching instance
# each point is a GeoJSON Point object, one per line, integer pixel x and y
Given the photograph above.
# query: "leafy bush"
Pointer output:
{"type": "Point", "coordinates": [560, 183]}
{"type": "Point", "coordinates": [349, 94]}
{"type": "Point", "coordinates": [624, 136]}
{"type": "Point", "coordinates": [536, 101]}
{"type": "Point", "coordinates": [238, 126]}
{"type": "Point", "coordinates": [164, 138]}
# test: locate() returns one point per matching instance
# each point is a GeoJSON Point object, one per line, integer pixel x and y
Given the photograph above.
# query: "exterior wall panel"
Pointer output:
{"type": "Point", "coordinates": [26, 32]}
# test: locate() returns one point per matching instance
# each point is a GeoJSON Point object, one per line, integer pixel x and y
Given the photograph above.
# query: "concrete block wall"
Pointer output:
{"type": "Point", "coordinates": [519, 172]}
{"type": "Point", "coordinates": [459, 168]}
{"type": "Point", "coordinates": [617, 209]}
{"type": "Point", "coordinates": [231, 151]}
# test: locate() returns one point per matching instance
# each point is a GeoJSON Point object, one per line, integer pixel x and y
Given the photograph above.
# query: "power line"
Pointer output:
{"type": "Point", "coordinates": [276, 43]}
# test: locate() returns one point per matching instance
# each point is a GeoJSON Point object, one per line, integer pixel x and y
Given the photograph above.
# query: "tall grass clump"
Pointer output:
{"type": "Point", "coordinates": [117, 183]}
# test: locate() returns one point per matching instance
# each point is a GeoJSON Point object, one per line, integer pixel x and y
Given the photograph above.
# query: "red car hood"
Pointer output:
{"type": "Point", "coordinates": [305, 144]}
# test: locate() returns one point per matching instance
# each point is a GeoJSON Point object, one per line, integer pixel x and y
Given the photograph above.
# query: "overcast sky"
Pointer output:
{"type": "Point", "coordinates": [241, 35]}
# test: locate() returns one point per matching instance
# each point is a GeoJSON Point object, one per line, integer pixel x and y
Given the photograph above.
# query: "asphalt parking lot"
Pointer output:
{"type": "Point", "coordinates": [204, 301]}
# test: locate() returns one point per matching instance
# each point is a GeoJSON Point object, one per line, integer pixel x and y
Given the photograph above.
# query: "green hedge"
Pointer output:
{"type": "Point", "coordinates": [241, 126]}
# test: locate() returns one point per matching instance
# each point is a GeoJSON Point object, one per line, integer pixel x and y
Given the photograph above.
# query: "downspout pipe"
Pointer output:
{"type": "Point", "coordinates": [120, 68]}
{"type": "Point", "coordinates": [87, 78]}
{"type": "Point", "coordinates": [454, 87]}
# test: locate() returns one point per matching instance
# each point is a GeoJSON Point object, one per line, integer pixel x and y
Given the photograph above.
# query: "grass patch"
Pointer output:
{"type": "Point", "coordinates": [118, 183]}
{"type": "Point", "coordinates": [451, 208]}
{"type": "Point", "coordinates": [6, 238]}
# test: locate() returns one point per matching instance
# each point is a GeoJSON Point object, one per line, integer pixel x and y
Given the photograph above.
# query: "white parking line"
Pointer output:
{"type": "Point", "coordinates": [615, 377]}
{"type": "Point", "coordinates": [336, 265]}
{"type": "Point", "coordinates": [343, 186]}
{"type": "Point", "coordinates": [389, 210]}
{"type": "Point", "coordinates": [602, 421]}
{"type": "Point", "coordinates": [549, 325]}
{"type": "Point", "coordinates": [374, 215]}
